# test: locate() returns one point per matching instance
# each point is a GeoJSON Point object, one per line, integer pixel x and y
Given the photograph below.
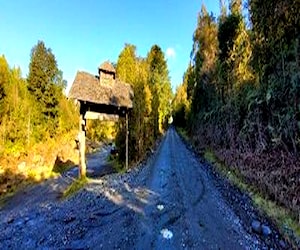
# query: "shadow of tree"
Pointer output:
{"type": "Point", "coordinates": [61, 166]}
{"type": "Point", "coordinates": [10, 182]}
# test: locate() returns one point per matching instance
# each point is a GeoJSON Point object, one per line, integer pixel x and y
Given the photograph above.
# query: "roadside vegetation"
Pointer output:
{"type": "Point", "coordinates": [75, 187]}
{"type": "Point", "coordinates": [37, 122]}
{"type": "Point", "coordinates": [240, 98]}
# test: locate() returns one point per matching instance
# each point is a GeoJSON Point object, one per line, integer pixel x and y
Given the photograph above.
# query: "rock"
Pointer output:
{"type": "Point", "coordinates": [10, 220]}
{"type": "Point", "coordinates": [256, 226]}
{"type": "Point", "coordinates": [282, 244]}
{"type": "Point", "coordinates": [69, 219]}
{"type": "Point", "coordinates": [19, 222]}
{"type": "Point", "coordinates": [167, 234]}
{"type": "Point", "coordinates": [266, 230]}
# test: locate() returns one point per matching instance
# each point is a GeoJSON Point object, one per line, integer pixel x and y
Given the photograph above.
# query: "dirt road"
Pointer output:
{"type": "Point", "coordinates": [171, 202]}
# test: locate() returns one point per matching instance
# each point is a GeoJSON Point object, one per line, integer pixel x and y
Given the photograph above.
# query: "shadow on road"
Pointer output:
{"type": "Point", "coordinates": [53, 188]}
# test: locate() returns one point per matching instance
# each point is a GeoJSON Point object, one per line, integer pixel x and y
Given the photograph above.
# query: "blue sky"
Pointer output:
{"type": "Point", "coordinates": [83, 34]}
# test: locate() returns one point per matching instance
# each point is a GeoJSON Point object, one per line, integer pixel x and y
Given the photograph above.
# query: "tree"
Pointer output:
{"type": "Point", "coordinates": [160, 86]}
{"type": "Point", "coordinates": [44, 83]}
{"type": "Point", "coordinates": [223, 11]}
{"type": "Point", "coordinates": [126, 65]}
{"type": "Point", "coordinates": [4, 81]}
{"type": "Point", "coordinates": [152, 94]}
{"type": "Point", "coordinates": [133, 70]}
{"type": "Point", "coordinates": [189, 78]}
{"type": "Point", "coordinates": [276, 60]}
{"type": "Point", "coordinates": [240, 57]}
{"type": "Point", "coordinates": [228, 28]}
{"type": "Point", "coordinates": [235, 7]}
{"type": "Point", "coordinates": [142, 110]}
{"type": "Point", "coordinates": [181, 105]}
{"type": "Point", "coordinates": [205, 52]}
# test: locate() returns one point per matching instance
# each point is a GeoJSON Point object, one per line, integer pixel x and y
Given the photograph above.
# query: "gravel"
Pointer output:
{"type": "Point", "coordinates": [172, 201]}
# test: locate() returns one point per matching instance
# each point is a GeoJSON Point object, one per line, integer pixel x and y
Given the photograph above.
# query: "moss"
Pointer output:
{"type": "Point", "coordinates": [75, 186]}
{"type": "Point", "coordinates": [120, 168]}
{"type": "Point", "coordinates": [62, 167]}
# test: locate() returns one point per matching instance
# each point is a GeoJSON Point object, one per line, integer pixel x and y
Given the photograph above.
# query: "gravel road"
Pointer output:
{"type": "Point", "coordinates": [174, 201]}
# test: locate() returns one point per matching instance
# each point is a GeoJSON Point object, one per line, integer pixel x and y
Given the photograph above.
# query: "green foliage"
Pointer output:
{"type": "Point", "coordinates": [75, 187]}
{"type": "Point", "coordinates": [152, 94]}
{"type": "Point", "coordinates": [181, 104]}
{"type": "Point", "coordinates": [226, 34]}
{"type": "Point", "coordinates": [189, 78]}
{"type": "Point", "coordinates": [68, 116]}
{"type": "Point", "coordinates": [245, 87]}
{"type": "Point", "coordinates": [205, 51]}
{"type": "Point", "coordinates": [36, 109]}
{"type": "Point", "coordinates": [98, 131]}
{"type": "Point", "coordinates": [235, 7]}
{"type": "Point", "coordinates": [45, 83]}
{"type": "Point", "coordinates": [278, 213]}
{"type": "Point", "coordinates": [127, 64]}
{"type": "Point", "coordinates": [160, 86]}
{"type": "Point", "coordinates": [4, 81]}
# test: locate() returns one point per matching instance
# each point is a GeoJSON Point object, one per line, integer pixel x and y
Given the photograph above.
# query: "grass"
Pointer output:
{"type": "Point", "coordinates": [62, 167]}
{"type": "Point", "coordinates": [75, 186]}
{"type": "Point", "coordinates": [183, 133]}
{"type": "Point", "coordinates": [233, 176]}
{"type": "Point", "coordinates": [120, 168]}
{"type": "Point", "coordinates": [280, 215]}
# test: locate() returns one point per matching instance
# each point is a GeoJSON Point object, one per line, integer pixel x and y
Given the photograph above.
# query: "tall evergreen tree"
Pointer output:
{"type": "Point", "coordinates": [133, 70]}
{"type": "Point", "coordinates": [159, 83]}
{"type": "Point", "coordinates": [276, 60]}
{"type": "Point", "coordinates": [4, 81]}
{"type": "Point", "coordinates": [44, 83]}
{"type": "Point", "coordinates": [223, 11]}
{"type": "Point", "coordinates": [227, 34]}
{"type": "Point", "coordinates": [240, 57]}
{"type": "Point", "coordinates": [181, 105]}
{"type": "Point", "coordinates": [235, 7]}
{"type": "Point", "coordinates": [127, 64]}
{"type": "Point", "coordinates": [205, 51]}
{"type": "Point", "coordinates": [189, 79]}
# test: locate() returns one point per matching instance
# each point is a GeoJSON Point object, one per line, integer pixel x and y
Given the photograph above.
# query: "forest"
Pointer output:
{"type": "Point", "coordinates": [37, 121]}
{"type": "Point", "coordinates": [240, 94]}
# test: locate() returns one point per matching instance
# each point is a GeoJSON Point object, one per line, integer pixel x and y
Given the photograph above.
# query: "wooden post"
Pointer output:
{"type": "Point", "coordinates": [81, 135]}
{"type": "Point", "coordinates": [127, 132]}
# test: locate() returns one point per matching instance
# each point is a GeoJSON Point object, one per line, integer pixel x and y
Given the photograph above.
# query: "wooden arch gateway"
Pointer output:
{"type": "Point", "coordinates": [103, 97]}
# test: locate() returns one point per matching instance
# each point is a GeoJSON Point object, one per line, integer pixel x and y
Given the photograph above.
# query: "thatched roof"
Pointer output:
{"type": "Point", "coordinates": [107, 66]}
{"type": "Point", "coordinates": [87, 87]}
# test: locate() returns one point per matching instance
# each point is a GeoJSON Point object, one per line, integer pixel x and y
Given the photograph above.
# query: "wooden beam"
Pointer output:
{"type": "Point", "coordinates": [92, 115]}
{"type": "Point", "coordinates": [107, 109]}
{"type": "Point", "coordinates": [127, 133]}
{"type": "Point", "coordinates": [81, 138]}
